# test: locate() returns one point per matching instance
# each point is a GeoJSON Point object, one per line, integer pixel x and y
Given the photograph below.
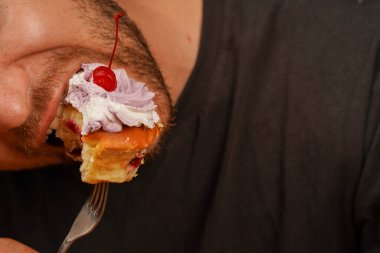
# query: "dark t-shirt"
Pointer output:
{"type": "Point", "coordinates": [275, 147]}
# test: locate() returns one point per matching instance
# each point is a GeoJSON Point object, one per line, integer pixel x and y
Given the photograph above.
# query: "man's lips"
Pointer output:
{"type": "Point", "coordinates": [50, 113]}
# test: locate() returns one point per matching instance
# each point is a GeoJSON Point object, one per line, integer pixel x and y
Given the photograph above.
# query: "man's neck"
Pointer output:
{"type": "Point", "coordinates": [172, 29]}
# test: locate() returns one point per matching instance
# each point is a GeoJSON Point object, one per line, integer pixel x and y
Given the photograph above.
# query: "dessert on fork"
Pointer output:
{"type": "Point", "coordinates": [109, 129]}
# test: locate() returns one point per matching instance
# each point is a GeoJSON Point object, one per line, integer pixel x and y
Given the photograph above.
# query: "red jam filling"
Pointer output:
{"type": "Point", "coordinates": [70, 124]}
{"type": "Point", "coordinates": [135, 162]}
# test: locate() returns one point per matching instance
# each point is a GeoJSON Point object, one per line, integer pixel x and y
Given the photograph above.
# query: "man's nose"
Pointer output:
{"type": "Point", "coordinates": [15, 104]}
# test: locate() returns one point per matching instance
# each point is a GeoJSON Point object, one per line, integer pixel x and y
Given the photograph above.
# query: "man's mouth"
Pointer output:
{"type": "Point", "coordinates": [51, 137]}
{"type": "Point", "coordinates": [50, 133]}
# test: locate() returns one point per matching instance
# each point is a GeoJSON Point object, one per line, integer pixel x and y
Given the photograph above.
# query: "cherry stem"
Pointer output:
{"type": "Point", "coordinates": [116, 17]}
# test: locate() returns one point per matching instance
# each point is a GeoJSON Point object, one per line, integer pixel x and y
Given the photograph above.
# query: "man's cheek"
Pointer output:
{"type": "Point", "coordinates": [8, 245]}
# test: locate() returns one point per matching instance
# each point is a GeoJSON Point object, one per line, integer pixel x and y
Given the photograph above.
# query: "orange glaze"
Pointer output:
{"type": "Point", "coordinates": [130, 138]}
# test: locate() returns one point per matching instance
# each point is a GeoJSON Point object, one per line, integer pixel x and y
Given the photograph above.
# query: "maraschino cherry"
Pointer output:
{"type": "Point", "coordinates": [102, 75]}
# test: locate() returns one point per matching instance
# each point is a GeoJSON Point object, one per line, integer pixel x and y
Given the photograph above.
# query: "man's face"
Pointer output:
{"type": "Point", "coordinates": [42, 44]}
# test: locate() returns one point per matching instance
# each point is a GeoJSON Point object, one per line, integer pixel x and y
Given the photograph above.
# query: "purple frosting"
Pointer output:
{"type": "Point", "coordinates": [106, 113]}
{"type": "Point", "coordinates": [128, 92]}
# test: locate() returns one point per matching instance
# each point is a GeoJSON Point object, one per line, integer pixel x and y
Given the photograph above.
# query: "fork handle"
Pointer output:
{"type": "Point", "coordinates": [65, 246]}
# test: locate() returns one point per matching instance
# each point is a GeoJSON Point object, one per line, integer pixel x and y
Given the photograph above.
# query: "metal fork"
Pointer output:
{"type": "Point", "coordinates": [88, 217]}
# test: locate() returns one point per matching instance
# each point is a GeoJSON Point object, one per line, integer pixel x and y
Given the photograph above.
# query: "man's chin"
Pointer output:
{"type": "Point", "coordinates": [47, 155]}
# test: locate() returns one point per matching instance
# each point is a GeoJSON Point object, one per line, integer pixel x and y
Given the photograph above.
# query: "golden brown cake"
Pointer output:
{"type": "Point", "coordinates": [106, 157]}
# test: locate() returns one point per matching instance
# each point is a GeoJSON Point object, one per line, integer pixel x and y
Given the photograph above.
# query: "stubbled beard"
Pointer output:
{"type": "Point", "coordinates": [41, 94]}
{"type": "Point", "coordinates": [132, 53]}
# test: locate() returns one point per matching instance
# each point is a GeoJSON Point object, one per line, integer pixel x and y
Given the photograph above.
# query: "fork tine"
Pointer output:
{"type": "Point", "coordinates": [100, 199]}
{"type": "Point", "coordinates": [103, 199]}
{"type": "Point", "coordinates": [94, 195]}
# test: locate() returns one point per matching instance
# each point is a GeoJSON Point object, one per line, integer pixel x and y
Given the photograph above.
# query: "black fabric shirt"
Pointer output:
{"type": "Point", "coordinates": [275, 147]}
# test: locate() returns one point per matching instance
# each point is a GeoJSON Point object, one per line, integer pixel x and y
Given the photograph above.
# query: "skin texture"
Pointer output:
{"type": "Point", "coordinates": [12, 246]}
{"type": "Point", "coordinates": [51, 46]}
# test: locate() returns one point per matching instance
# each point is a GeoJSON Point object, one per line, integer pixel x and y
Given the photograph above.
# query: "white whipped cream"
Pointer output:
{"type": "Point", "coordinates": [130, 104]}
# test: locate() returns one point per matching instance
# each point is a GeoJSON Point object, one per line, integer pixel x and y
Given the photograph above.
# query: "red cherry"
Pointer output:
{"type": "Point", "coordinates": [102, 75]}
{"type": "Point", "coordinates": [105, 78]}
